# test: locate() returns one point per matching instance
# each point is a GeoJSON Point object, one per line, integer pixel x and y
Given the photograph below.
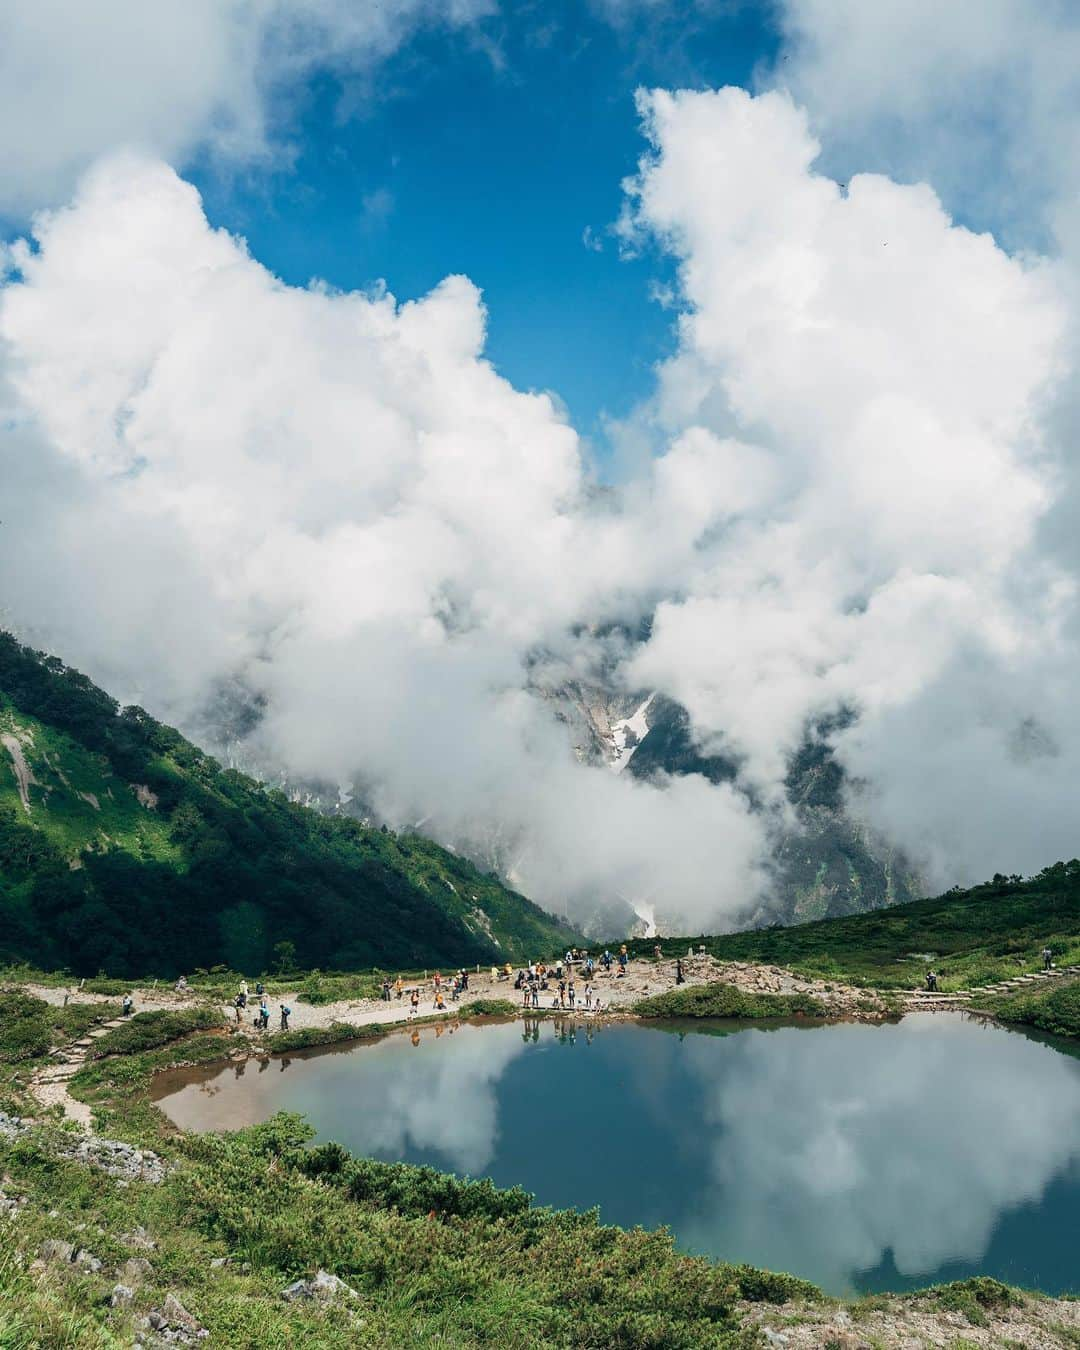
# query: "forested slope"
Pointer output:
{"type": "Point", "coordinates": [124, 847]}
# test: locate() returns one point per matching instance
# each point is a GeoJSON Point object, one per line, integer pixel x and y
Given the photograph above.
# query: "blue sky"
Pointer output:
{"type": "Point", "coordinates": [491, 154]}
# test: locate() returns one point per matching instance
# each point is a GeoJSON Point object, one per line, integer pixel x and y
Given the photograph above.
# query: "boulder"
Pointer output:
{"type": "Point", "coordinates": [177, 1316]}
{"type": "Point", "coordinates": [134, 1270]}
{"type": "Point", "coordinates": [88, 1261]}
{"type": "Point", "coordinates": [55, 1249]}
{"type": "Point", "coordinates": [324, 1287]}
{"type": "Point", "coordinates": [121, 1296]}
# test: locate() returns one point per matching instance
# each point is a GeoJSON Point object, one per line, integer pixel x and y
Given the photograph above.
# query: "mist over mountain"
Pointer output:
{"type": "Point", "coordinates": [833, 540]}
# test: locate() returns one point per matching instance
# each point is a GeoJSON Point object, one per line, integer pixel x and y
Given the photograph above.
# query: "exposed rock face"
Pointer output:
{"type": "Point", "coordinates": [830, 864]}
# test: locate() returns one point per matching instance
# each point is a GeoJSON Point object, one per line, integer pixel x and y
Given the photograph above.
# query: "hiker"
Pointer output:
{"type": "Point", "coordinates": [386, 990]}
{"type": "Point", "coordinates": [570, 991]}
{"type": "Point", "coordinates": [562, 993]}
{"type": "Point", "coordinates": [536, 995]}
{"type": "Point", "coordinates": [1048, 958]}
{"type": "Point", "coordinates": [440, 1002]}
{"type": "Point", "coordinates": [260, 988]}
{"type": "Point", "coordinates": [464, 980]}
{"type": "Point", "coordinates": [264, 1014]}
{"type": "Point", "coordinates": [588, 996]}
{"type": "Point", "coordinates": [286, 1013]}
{"type": "Point", "coordinates": [414, 1002]}
{"type": "Point", "coordinates": [597, 1006]}
{"type": "Point", "coordinates": [526, 996]}
{"type": "Point", "coordinates": [398, 986]}
{"type": "Point", "coordinates": [931, 982]}
{"type": "Point", "coordinates": [238, 1005]}
{"type": "Point", "coordinates": [127, 1005]}
{"type": "Point", "coordinates": [680, 978]}
{"type": "Point", "coordinates": [657, 952]}
{"type": "Point", "coordinates": [243, 995]}
{"type": "Point", "coordinates": [623, 956]}
{"type": "Point", "coordinates": [181, 985]}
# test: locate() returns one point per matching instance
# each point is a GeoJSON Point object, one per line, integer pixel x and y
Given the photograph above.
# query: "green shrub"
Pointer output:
{"type": "Point", "coordinates": [303, 1037]}
{"type": "Point", "coordinates": [489, 1007]}
{"type": "Point", "coordinates": [25, 1028]}
{"type": "Point", "coordinates": [1055, 1010]}
{"type": "Point", "coordinates": [149, 1030]}
{"type": "Point", "coordinates": [724, 1000]}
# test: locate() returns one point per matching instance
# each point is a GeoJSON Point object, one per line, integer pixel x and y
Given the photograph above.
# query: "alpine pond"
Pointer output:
{"type": "Point", "coordinates": [860, 1157]}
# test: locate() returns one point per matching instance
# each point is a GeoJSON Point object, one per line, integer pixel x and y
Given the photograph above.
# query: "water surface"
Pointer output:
{"type": "Point", "coordinates": [860, 1157]}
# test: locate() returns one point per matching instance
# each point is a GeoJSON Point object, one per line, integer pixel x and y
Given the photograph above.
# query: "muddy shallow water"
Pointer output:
{"type": "Point", "coordinates": [860, 1157]}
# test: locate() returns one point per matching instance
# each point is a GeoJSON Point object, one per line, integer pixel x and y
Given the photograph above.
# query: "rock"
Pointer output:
{"type": "Point", "coordinates": [134, 1270]}
{"type": "Point", "coordinates": [324, 1287]}
{"type": "Point", "coordinates": [119, 1160]}
{"type": "Point", "coordinates": [139, 1238]}
{"type": "Point", "coordinates": [774, 1337]}
{"type": "Point", "coordinates": [88, 1261]}
{"type": "Point", "coordinates": [219, 1262]}
{"type": "Point", "coordinates": [12, 1126]}
{"type": "Point", "coordinates": [121, 1296]}
{"type": "Point", "coordinates": [178, 1317]}
{"type": "Point", "coordinates": [55, 1249]}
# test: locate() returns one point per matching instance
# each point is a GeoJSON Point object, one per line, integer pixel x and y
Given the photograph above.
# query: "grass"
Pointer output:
{"type": "Point", "coordinates": [724, 1000]}
{"type": "Point", "coordinates": [971, 937]}
{"type": "Point", "coordinates": [1055, 1010]}
{"type": "Point", "coordinates": [149, 1030]}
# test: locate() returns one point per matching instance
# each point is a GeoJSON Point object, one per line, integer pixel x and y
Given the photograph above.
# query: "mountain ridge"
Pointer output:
{"type": "Point", "coordinates": [124, 846]}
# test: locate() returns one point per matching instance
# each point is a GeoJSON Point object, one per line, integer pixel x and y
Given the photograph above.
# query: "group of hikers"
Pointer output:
{"type": "Point", "coordinates": [457, 984]}
{"type": "Point", "coordinates": [558, 979]}
{"type": "Point", "coordinates": [262, 1017]}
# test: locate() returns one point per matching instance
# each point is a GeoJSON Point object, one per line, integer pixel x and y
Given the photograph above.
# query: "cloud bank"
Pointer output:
{"type": "Point", "coordinates": [857, 495]}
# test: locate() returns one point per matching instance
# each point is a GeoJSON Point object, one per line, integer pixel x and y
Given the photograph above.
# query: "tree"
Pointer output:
{"type": "Point", "coordinates": [285, 956]}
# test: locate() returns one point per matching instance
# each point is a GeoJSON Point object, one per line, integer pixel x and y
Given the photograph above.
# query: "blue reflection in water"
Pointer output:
{"type": "Point", "coordinates": [859, 1157]}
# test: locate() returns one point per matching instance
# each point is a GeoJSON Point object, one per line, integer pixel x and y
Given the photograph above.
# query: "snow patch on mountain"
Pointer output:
{"type": "Point", "coordinates": [628, 733]}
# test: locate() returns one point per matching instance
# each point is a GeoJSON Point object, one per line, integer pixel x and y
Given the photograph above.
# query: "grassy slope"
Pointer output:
{"type": "Point", "coordinates": [971, 937]}
{"type": "Point", "coordinates": [217, 870]}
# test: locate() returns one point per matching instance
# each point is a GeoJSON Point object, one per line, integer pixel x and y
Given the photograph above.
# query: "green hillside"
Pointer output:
{"type": "Point", "coordinates": [124, 847]}
{"type": "Point", "coordinates": [970, 936]}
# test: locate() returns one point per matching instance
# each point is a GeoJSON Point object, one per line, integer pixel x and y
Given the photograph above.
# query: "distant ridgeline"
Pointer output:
{"type": "Point", "coordinates": [125, 848]}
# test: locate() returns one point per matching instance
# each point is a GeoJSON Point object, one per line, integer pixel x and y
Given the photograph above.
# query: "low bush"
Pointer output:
{"type": "Point", "coordinates": [303, 1037]}
{"type": "Point", "coordinates": [149, 1030]}
{"type": "Point", "coordinates": [724, 1000]}
{"type": "Point", "coordinates": [25, 1028]}
{"type": "Point", "coordinates": [1057, 1010]}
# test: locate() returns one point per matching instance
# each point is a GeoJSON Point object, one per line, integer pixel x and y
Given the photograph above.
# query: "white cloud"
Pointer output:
{"type": "Point", "coordinates": [865, 384]}
{"type": "Point", "coordinates": [861, 497]}
{"type": "Point", "coordinates": [985, 105]}
{"type": "Point", "coordinates": [175, 77]}
{"type": "Point", "coordinates": [336, 500]}
{"type": "Point", "coordinates": [811, 1172]}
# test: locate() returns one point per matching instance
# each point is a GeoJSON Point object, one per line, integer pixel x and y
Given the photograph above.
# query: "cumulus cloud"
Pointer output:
{"type": "Point", "coordinates": [854, 497]}
{"type": "Point", "coordinates": [174, 78]}
{"type": "Point", "coordinates": [986, 107]}
{"type": "Point", "coordinates": [335, 501]}
{"type": "Point", "coordinates": [879, 379]}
